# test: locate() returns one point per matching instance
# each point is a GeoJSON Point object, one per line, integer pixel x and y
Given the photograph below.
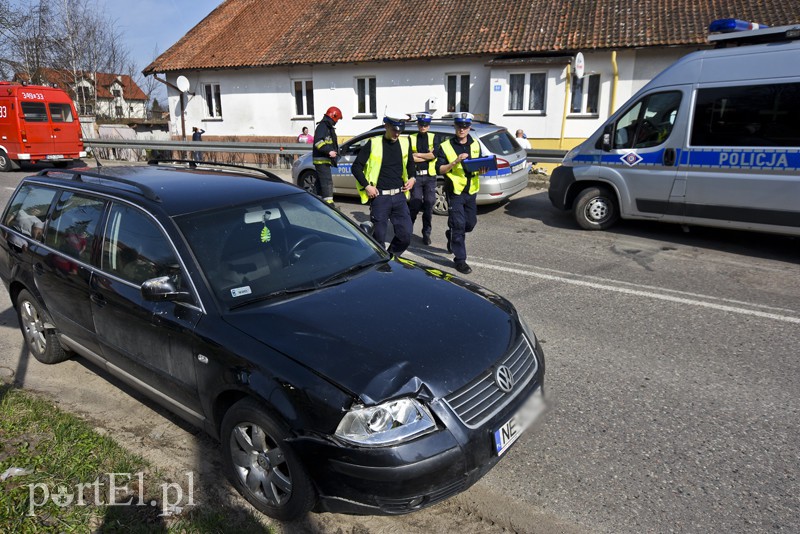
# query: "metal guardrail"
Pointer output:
{"type": "Point", "coordinates": [288, 149]}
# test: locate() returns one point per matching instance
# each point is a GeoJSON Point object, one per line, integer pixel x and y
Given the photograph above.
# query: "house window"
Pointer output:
{"type": "Point", "coordinates": [304, 98]}
{"type": "Point", "coordinates": [367, 104]}
{"type": "Point", "coordinates": [530, 85]}
{"type": "Point", "coordinates": [585, 94]}
{"type": "Point", "coordinates": [84, 93]}
{"type": "Point", "coordinates": [118, 110]}
{"type": "Point", "coordinates": [457, 92]}
{"type": "Point", "coordinates": [213, 99]}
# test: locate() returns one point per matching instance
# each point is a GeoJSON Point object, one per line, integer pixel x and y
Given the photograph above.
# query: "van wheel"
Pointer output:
{"type": "Point", "coordinates": [596, 208]}
{"type": "Point", "coordinates": [308, 181]}
{"type": "Point", "coordinates": [5, 163]}
{"type": "Point", "coordinates": [260, 464]}
{"type": "Point", "coordinates": [440, 205]}
{"type": "Point", "coordinates": [42, 342]}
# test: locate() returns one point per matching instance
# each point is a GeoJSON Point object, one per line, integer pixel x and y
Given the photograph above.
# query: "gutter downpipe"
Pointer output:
{"type": "Point", "coordinates": [566, 107]}
{"type": "Point", "coordinates": [183, 105]}
{"type": "Point", "coordinates": [614, 82]}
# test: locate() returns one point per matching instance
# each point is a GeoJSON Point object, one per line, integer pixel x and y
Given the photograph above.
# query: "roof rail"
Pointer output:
{"type": "Point", "coordinates": [193, 164]}
{"type": "Point", "coordinates": [734, 32]}
{"type": "Point", "coordinates": [78, 175]}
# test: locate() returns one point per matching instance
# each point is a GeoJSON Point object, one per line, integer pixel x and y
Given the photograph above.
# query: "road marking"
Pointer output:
{"type": "Point", "coordinates": [617, 286]}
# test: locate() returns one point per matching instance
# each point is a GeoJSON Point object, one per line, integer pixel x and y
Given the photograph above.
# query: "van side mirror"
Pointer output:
{"type": "Point", "coordinates": [606, 139]}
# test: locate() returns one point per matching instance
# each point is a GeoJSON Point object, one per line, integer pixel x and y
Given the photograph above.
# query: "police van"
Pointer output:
{"type": "Point", "coordinates": [37, 123]}
{"type": "Point", "coordinates": [713, 140]}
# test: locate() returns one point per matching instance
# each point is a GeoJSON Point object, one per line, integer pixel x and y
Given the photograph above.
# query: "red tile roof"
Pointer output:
{"type": "Point", "coordinates": [249, 33]}
{"type": "Point", "coordinates": [64, 79]}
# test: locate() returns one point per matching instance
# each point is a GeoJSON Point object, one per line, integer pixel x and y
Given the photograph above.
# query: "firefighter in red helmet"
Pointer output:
{"type": "Point", "coordinates": [325, 152]}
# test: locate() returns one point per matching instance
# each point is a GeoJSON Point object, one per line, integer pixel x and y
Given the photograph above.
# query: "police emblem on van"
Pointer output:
{"type": "Point", "coordinates": [631, 158]}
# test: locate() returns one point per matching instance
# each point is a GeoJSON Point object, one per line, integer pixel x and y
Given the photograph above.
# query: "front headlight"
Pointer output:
{"type": "Point", "coordinates": [385, 424]}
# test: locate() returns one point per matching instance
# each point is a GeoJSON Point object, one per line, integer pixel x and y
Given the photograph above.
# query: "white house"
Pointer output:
{"type": "Point", "coordinates": [266, 68]}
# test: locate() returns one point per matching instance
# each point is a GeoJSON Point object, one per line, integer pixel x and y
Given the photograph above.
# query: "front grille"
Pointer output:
{"type": "Point", "coordinates": [481, 399]}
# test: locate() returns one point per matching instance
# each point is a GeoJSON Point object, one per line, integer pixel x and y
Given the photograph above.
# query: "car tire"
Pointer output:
{"type": "Point", "coordinates": [261, 465]}
{"type": "Point", "coordinates": [308, 181]}
{"type": "Point", "coordinates": [42, 341]}
{"type": "Point", "coordinates": [596, 208]}
{"type": "Point", "coordinates": [440, 205]}
{"type": "Point", "coordinates": [5, 163]}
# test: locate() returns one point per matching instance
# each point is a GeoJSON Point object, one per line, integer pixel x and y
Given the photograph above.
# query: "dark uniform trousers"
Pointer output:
{"type": "Point", "coordinates": [423, 197]}
{"type": "Point", "coordinates": [324, 180]}
{"type": "Point", "coordinates": [461, 218]}
{"type": "Point", "coordinates": [394, 208]}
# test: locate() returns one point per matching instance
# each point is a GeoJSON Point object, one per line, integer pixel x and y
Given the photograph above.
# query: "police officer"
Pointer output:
{"type": "Point", "coordinates": [461, 187]}
{"type": "Point", "coordinates": [423, 195]}
{"type": "Point", "coordinates": [325, 151]}
{"type": "Point", "coordinates": [384, 170]}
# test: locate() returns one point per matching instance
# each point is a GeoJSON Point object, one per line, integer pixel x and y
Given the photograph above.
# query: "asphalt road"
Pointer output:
{"type": "Point", "coordinates": [672, 376]}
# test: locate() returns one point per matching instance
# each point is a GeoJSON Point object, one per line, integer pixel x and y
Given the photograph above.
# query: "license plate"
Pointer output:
{"type": "Point", "coordinates": [518, 167]}
{"type": "Point", "coordinates": [519, 422]}
{"type": "Point", "coordinates": [54, 156]}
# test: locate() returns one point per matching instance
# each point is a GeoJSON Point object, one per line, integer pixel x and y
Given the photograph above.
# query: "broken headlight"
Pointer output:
{"type": "Point", "coordinates": [385, 424]}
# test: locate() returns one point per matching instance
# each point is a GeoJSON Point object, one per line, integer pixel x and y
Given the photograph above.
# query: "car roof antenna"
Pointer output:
{"type": "Point", "coordinates": [94, 155]}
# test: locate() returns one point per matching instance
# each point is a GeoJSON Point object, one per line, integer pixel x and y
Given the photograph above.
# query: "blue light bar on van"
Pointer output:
{"type": "Point", "coordinates": [733, 25]}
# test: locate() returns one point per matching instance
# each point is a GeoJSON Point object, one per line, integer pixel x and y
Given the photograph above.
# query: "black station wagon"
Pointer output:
{"type": "Point", "coordinates": [336, 376]}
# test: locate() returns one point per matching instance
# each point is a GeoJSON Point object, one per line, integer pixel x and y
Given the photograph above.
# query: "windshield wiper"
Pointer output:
{"type": "Point", "coordinates": [274, 294]}
{"type": "Point", "coordinates": [342, 275]}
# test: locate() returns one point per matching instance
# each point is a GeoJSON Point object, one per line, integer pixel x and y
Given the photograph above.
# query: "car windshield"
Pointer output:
{"type": "Point", "coordinates": [275, 247]}
{"type": "Point", "coordinates": [500, 142]}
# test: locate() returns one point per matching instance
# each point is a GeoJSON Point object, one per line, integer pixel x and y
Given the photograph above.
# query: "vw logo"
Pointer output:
{"type": "Point", "coordinates": [504, 379]}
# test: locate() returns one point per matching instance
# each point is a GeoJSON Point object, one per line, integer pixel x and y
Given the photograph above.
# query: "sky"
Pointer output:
{"type": "Point", "coordinates": [150, 27]}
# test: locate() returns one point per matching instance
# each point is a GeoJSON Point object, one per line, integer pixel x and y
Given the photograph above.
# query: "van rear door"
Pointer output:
{"type": "Point", "coordinates": [66, 132]}
{"type": "Point", "coordinates": [35, 128]}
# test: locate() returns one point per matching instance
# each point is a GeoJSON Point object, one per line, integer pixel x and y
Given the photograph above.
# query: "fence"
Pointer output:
{"type": "Point", "coordinates": [263, 154]}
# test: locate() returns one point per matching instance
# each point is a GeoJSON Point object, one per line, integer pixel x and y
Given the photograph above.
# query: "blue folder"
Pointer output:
{"type": "Point", "coordinates": [474, 165]}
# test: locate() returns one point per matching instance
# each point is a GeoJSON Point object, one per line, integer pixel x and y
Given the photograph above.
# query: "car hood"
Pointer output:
{"type": "Point", "coordinates": [395, 329]}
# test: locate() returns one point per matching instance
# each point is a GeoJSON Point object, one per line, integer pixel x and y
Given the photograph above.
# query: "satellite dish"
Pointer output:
{"type": "Point", "coordinates": [183, 84]}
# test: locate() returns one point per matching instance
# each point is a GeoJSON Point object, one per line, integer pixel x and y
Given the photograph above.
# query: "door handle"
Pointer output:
{"type": "Point", "coordinates": [56, 129]}
{"type": "Point", "coordinates": [98, 299]}
{"type": "Point", "coordinates": [669, 157]}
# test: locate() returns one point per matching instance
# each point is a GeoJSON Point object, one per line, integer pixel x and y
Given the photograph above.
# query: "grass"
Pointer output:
{"type": "Point", "coordinates": [70, 469]}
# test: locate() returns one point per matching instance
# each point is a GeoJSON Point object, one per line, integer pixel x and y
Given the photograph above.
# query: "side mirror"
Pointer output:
{"type": "Point", "coordinates": [162, 288]}
{"type": "Point", "coordinates": [366, 227]}
{"type": "Point", "coordinates": [607, 132]}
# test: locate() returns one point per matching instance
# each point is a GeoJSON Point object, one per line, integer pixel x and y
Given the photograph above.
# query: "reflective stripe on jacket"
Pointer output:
{"type": "Point", "coordinates": [372, 169]}
{"type": "Point", "coordinates": [431, 163]}
{"type": "Point", "coordinates": [457, 175]}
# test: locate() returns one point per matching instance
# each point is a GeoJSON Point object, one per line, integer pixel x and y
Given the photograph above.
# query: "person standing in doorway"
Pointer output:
{"type": "Point", "coordinates": [461, 187]}
{"type": "Point", "coordinates": [423, 195]}
{"type": "Point", "coordinates": [325, 152]}
{"type": "Point", "coordinates": [384, 170]}
{"type": "Point", "coordinates": [197, 135]}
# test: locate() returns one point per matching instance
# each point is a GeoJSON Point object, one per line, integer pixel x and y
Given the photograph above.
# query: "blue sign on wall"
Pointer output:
{"type": "Point", "coordinates": [498, 88]}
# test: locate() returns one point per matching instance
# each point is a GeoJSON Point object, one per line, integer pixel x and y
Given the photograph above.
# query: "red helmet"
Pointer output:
{"type": "Point", "coordinates": [334, 113]}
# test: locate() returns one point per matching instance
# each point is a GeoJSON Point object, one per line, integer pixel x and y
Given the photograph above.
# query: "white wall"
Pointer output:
{"type": "Point", "coordinates": [260, 102]}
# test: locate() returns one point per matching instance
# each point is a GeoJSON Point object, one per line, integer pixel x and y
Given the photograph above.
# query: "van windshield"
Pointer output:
{"type": "Point", "coordinates": [34, 112]}
{"type": "Point", "coordinates": [61, 113]}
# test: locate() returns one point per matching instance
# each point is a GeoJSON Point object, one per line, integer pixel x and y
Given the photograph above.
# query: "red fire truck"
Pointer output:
{"type": "Point", "coordinates": [37, 123]}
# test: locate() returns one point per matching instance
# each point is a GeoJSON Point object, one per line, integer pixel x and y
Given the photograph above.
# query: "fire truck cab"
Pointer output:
{"type": "Point", "coordinates": [37, 123]}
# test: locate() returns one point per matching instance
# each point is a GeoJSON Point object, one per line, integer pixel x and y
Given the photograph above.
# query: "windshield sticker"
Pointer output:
{"type": "Point", "coordinates": [631, 158]}
{"type": "Point", "coordinates": [240, 291]}
{"type": "Point", "coordinates": [266, 235]}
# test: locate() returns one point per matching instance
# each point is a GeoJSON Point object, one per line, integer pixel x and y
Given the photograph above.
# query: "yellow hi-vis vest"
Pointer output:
{"type": "Point", "coordinates": [457, 174]}
{"type": "Point", "coordinates": [373, 167]}
{"type": "Point", "coordinates": [431, 163]}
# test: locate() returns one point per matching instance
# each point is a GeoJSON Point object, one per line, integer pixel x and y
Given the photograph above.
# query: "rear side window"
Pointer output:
{"type": "Point", "coordinates": [34, 111]}
{"type": "Point", "coordinates": [135, 249]}
{"type": "Point", "coordinates": [73, 225]}
{"type": "Point", "coordinates": [747, 115]}
{"type": "Point", "coordinates": [500, 143]}
{"type": "Point", "coordinates": [28, 210]}
{"type": "Point", "coordinates": [61, 113]}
